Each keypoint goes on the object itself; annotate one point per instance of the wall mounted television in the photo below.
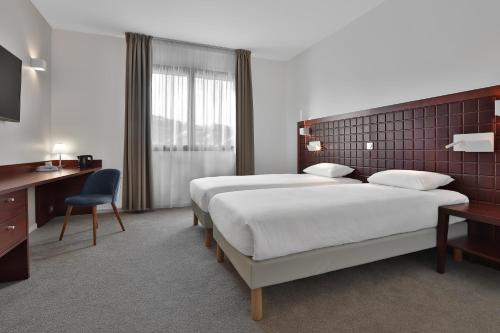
(10, 86)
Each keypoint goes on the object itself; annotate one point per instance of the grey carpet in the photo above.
(158, 277)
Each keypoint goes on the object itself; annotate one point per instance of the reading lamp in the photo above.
(473, 142)
(59, 148)
(314, 146)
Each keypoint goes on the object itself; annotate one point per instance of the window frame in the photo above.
(191, 74)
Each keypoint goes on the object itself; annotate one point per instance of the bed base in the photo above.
(204, 219)
(259, 274)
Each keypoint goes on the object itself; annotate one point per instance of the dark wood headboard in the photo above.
(412, 136)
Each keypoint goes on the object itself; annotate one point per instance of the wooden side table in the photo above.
(477, 212)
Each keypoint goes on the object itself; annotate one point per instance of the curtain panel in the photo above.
(245, 160)
(193, 122)
(137, 190)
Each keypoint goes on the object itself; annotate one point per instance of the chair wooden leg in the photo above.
(195, 219)
(117, 216)
(94, 223)
(66, 219)
(208, 237)
(219, 253)
(256, 303)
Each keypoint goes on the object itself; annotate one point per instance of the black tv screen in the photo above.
(10, 86)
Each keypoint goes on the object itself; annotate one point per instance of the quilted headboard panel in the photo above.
(412, 136)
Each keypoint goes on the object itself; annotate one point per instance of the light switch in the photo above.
(369, 145)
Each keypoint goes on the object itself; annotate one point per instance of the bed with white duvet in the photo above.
(271, 223)
(202, 190)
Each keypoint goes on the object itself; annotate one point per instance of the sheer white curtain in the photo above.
(193, 118)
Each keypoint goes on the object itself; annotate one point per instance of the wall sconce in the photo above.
(305, 131)
(314, 146)
(38, 64)
(473, 143)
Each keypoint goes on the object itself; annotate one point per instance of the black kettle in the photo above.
(84, 161)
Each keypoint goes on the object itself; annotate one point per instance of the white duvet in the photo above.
(272, 223)
(203, 189)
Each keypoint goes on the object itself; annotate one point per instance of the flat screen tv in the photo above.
(10, 86)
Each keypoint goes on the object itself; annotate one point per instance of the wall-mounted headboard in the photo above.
(412, 136)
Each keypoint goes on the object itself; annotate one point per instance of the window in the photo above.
(192, 111)
(193, 118)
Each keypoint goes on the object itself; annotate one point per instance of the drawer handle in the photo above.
(10, 199)
(11, 227)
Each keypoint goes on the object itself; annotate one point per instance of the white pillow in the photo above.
(412, 179)
(331, 170)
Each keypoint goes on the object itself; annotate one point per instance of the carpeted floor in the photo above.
(158, 277)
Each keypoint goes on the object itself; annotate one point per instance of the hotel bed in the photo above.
(202, 190)
(277, 235)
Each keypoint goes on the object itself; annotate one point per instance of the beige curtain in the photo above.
(137, 151)
(245, 164)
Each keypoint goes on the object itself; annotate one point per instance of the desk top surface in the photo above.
(18, 181)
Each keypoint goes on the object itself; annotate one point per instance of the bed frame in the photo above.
(409, 135)
(206, 222)
(259, 274)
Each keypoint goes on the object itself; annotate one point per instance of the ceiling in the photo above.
(274, 29)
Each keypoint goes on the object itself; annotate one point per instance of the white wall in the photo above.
(25, 33)
(403, 50)
(268, 78)
(88, 95)
(88, 100)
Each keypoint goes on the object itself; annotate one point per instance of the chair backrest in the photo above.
(104, 181)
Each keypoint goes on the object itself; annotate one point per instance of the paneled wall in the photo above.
(413, 136)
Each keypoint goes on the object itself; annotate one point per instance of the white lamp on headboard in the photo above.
(59, 148)
(473, 142)
(314, 146)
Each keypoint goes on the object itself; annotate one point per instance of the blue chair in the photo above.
(100, 188)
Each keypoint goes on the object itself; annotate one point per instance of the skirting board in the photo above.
(269, 272)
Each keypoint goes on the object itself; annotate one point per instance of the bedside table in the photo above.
(477, 212)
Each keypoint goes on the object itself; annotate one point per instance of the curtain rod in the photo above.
(194, 44)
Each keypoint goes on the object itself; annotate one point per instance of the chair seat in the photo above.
(89, 200)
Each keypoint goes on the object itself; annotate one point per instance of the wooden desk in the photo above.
(51, 188)
(14, 182)
(484, 248)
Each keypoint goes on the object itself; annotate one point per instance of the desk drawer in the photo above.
(13, 231)
(12, 204)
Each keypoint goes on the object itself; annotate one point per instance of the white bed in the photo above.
(202, 190)
(277, 235)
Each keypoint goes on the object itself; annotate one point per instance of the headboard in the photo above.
(412, 136)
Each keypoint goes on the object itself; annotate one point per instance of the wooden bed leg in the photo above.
(256, 302)
(195, 219)
(458, 255)
(219, 253)
(208, 237)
